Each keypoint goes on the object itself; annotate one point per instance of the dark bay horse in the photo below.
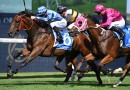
(107, 47)
(40, 43)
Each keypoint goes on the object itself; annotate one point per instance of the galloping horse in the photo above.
(40, 43)
(107, 46)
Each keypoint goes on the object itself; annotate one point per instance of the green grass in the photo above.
(54, 81)
(88, 6)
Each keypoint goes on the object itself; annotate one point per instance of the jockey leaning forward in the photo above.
(55, 20)
(69, 14)
(112, 19)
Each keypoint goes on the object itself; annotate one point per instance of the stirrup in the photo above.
(121, 42)
(60, 40)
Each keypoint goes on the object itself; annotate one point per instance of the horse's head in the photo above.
(83, 23)
(21, 21)
(79, 25)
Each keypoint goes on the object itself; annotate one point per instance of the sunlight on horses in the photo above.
(40, 43)
(107, 47)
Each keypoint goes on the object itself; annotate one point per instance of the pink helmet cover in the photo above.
(99, 8)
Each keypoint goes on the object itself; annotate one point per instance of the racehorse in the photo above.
(107, 45)
(40, 43)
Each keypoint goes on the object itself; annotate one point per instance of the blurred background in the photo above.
(9, 8)
(83, 6)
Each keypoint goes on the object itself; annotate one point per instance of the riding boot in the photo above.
(118, 30)
(59, 37)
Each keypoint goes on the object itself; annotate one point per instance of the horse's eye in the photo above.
(80, 22)
(16, 21)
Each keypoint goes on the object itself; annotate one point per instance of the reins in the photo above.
(22, 19)
(102, 31)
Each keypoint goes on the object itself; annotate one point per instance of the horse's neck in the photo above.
(95, 34)
(101, 41)
(35, 29)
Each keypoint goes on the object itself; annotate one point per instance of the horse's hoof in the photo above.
(79, 78)
(9, 76)
(14, 72)
(100, 83)
(65, 71)
(65, 83)
(114, 86)
(117, 84)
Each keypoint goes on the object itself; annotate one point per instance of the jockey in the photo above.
(111, 19)
(69, 14)
(55, 20)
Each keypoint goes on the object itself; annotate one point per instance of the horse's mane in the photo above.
(26, 12)
(94, 19)
(29, 13)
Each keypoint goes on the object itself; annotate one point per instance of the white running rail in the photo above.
(12, 40)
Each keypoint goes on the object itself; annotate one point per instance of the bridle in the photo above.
(94, 27)
(22, 19)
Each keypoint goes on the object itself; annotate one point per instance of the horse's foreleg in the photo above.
(69, 72)
(126, 70)
(24, 52)
(80, 63)
(75, 67)
(107, 59)
(35, 52)
(57, 62)
(87, 69)
(17, 69)
(72, 58)
(80, 76)
(9, 66)
(95, 69)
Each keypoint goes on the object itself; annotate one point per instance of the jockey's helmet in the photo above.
(99, 8)
(41, 11)
(61, 9)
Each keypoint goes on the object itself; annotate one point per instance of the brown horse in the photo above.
(40, 43)
(107, 47)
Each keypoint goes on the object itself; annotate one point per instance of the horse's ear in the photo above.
(82, 14)
(87, 15)
(23, 16)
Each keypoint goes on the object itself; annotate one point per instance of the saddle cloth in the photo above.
(67, 40)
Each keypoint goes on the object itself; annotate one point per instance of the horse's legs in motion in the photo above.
(9, 66)
(74, 67)
(24, 52)
(81, 74)
(90, 60)
(57, 62)
(126, 70)
(107, 59)
(88, 57)
(71, 59)
(95, 69)
(69, 71)
(36, 51)
(87, 69)
(104, 61)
